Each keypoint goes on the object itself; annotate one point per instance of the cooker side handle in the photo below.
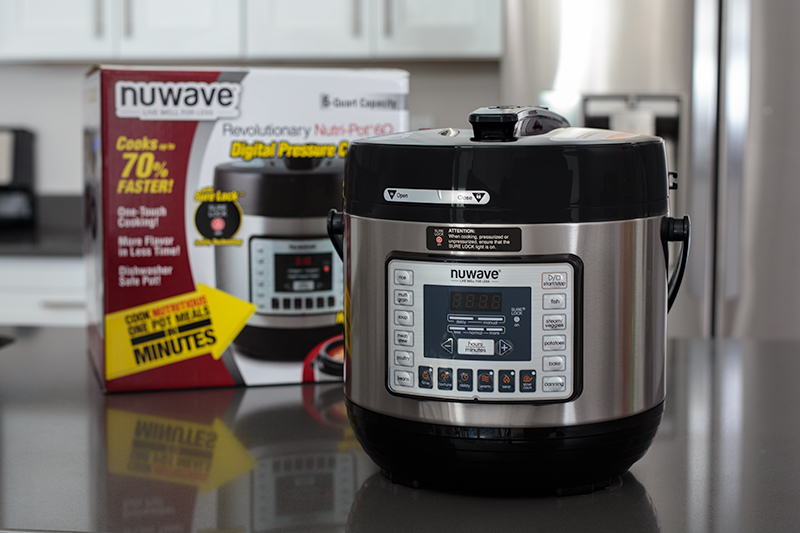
(336, 231)
(676, 230)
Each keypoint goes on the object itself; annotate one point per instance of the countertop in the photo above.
(57, 231)
(726, 457)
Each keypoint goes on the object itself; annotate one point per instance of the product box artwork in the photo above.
(206, 194)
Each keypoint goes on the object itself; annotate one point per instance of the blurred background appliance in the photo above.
(628, 65)
(714, 78)
(16, 178)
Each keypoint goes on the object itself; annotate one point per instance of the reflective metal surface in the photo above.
(624, 323)
(559, 51)
(231, 278)
(274, 459)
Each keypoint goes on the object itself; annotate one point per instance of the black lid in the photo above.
(520, 165)
(283, 188)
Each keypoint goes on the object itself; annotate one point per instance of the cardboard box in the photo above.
(206, 196)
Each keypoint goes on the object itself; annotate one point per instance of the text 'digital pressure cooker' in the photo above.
(506, 292)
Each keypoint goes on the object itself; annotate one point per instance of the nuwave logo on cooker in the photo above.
(170, 100)
(459, 273)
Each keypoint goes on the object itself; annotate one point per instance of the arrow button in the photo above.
(448, 345)
(503, 347)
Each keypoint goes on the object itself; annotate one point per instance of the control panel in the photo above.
(295, 276)
(482, 331)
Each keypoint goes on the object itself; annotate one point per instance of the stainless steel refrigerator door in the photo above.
(758, 290)
(566, 49)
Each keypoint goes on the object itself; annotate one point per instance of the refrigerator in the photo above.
(717, 79)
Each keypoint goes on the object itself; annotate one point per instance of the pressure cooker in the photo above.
(506, 293)
(286, 265)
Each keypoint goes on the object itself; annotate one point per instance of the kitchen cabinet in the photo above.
(42, 291)
(101, 30)
(55, 29)
(308, 29)
(180, 28)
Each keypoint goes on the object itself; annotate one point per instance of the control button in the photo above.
(475, 330)
(554, 384)
(404, 297)
(505, 381)
(552, 363)
(448, 345)
(309, 303)
(403, 358)
(554, 343)
(527, 380)
(475, 347)
(495, 330)
(303, 285)
(403, 277)
(320, 302)
(403, 378)
(460, 318)
(551, 322)
(554, 280)
(331, 301)
(554, 301)
(504, 346)
(404, 318)
(485, 380)
(404, 338)
(426, 377)
(298, 303)
(464, 379)
(456, 329)
(276, 304)
(445, 379)
(287, 303)
(492, 319)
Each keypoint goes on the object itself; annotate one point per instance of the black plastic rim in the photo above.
(274, 344)
(555, 460)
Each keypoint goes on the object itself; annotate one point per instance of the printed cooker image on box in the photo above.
(506, 300)
(286, 266)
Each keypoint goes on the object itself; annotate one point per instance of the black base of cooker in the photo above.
(558, 460)
(272, 344)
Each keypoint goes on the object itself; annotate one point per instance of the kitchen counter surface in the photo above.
(58, 230)
(726, 457)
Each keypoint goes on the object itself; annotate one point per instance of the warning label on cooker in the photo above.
(476, 239)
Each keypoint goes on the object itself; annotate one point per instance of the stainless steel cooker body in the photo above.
(622, 312)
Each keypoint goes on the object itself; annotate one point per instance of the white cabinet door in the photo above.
(179, 29)
(56, 29)
(439, 28)
(308, 28)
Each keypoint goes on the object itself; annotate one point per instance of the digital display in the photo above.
(303, 272)
(476, 301)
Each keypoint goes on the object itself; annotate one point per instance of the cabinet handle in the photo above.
(387, 17)
(128, 9)
(98, 19)
(356, 18)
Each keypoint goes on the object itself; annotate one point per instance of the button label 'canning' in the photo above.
(554, 384)
(554, 280)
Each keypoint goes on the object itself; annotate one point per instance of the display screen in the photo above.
(303, 272)
(476, 301)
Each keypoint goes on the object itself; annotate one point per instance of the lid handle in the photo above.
(505, 123)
